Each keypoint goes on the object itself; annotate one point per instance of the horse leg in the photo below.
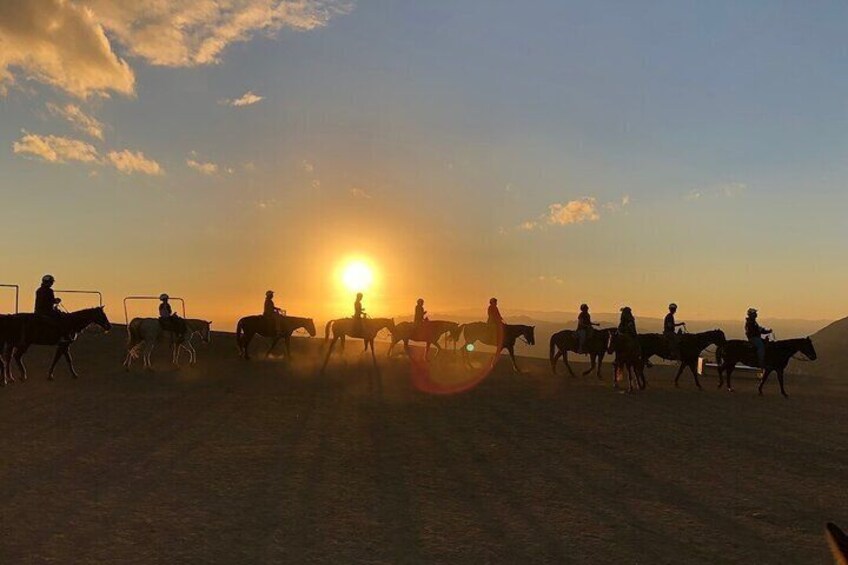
(329, 351)
(148, 353)
(373, 355)
(56, 357)
(730, 372)
(438, 350)
(511, 350)
(70, 361)
(273, 345)
(693, 366)
(567, 364)
(591, 366)
(600, 362)
(763, 380)
(677, 376)
(287, 341)
(19, 361)
(780, 380)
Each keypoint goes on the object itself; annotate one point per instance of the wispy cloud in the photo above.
(55, 149)
(618, 205)
(720, 190)
(207, 168)
(78, 119)
(565, 213)
(359, 193)
(129, 162)
(247, 99)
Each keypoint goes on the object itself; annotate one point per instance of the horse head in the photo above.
(807, 349)
(717, 337)
(455, 331)
(529, 333)
(101, 319)
(310, 327)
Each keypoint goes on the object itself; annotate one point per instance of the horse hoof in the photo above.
(75, 375)
(50, 378)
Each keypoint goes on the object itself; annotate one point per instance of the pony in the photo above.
(428, 332)
(778, 354)
(365, 329)
(20, 331)
(689, 348)
(144, 333)
(503, 337)
(566, 340)
(249, 326)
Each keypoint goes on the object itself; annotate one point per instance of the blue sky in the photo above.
(703, 144)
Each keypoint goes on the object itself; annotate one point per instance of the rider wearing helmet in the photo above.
(273, 315)
(585, 326)
(358, 314)
(493, 314)
(670, 331)
(46, 303)
(754, 332)
(170, 321)
(420, 313)
(627, 323)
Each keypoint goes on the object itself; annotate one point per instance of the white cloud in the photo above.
(68, 44)
(246, 99)
(77, 118)
(55, 149)
(129, 162)
(359, 193)
(183, 33)
(202, 167)
(563, 214)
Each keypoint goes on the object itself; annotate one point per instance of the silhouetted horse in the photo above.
(596, 348)
(144, 333)
(483, 332)
(838, 542)
(365, 329)
(690, 347)
(429, 332)
(628, 355)
(24, 330)
(778, 354)
(249, 326)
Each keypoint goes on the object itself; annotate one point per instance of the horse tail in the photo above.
(327, 331)
(552, 351)
(719, 354)
(240, 335)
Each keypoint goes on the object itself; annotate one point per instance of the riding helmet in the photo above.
(493, 300)
(269, 293)
(752, 311)
(163, 296)
(672, 306)
(47, 279)
(420, 301)
(584, 307)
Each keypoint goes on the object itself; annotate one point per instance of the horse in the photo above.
(504, 338)
(628, 354)
(21, 331)
(249, 326)
(428, 332)
(838, 542)
(144, 333)
(566, 340)
(778, 354)
(689, 348)
(365, 329)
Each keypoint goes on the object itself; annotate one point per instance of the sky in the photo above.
(546, 152)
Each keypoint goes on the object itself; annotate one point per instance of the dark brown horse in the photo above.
(628, 355)
(778, 354)
(596, 348)
(21, 331)
(503, 339)
(689, 348)
(249, 326)
(429, 332)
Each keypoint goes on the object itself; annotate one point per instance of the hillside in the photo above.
(831, 345)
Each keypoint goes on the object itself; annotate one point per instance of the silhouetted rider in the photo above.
(585, 327)
(273, 315)
(670, 330)
(493, 315)
(170, 321)
(755, 332)
(627, 323)
(420, 312)
(46, 303)
(358, 314)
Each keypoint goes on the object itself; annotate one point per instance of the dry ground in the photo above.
(235, 462)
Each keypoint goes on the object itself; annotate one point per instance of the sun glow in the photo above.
(357, 276)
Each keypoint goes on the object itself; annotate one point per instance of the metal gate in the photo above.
(96, 293)
(17, 294)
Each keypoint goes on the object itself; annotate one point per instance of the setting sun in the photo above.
(357, 276)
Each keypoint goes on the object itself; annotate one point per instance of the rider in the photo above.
(273, 315)
(420, 313)
(584, 327)
(47, 304)
(627, 323)
(670, 330)
(170, 321)
(494, 319)
(754, 332)
(358, 313)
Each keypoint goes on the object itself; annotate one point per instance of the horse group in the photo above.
(18, 332)
(633, 354)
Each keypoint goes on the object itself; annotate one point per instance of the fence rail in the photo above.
(17, 294)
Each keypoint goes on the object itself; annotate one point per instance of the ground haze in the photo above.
(262, 461)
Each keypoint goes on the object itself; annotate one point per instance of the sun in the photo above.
(357, 276)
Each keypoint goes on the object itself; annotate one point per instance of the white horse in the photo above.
(145, 333)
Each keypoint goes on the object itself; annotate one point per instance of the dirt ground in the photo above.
(266, 461)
